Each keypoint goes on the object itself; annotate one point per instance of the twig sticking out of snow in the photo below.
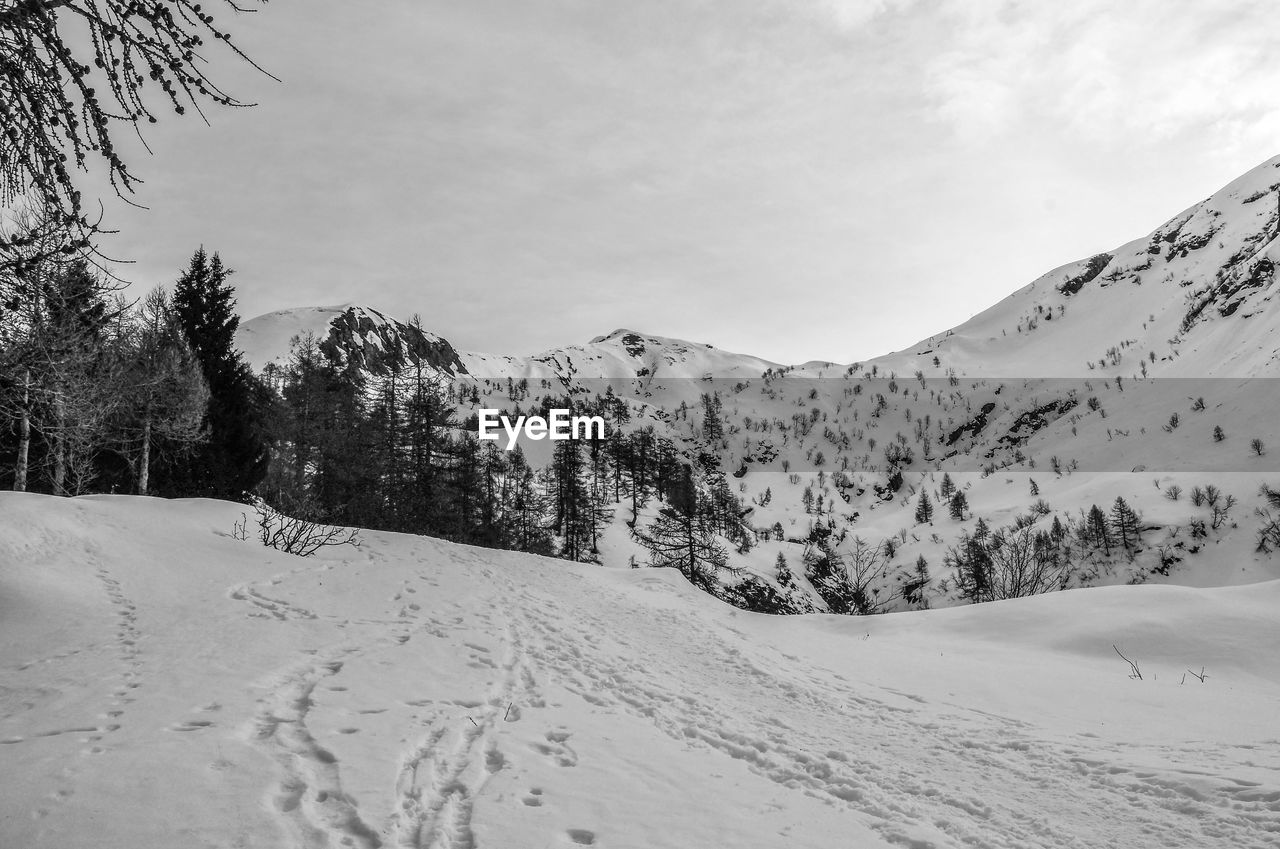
(1136, 673)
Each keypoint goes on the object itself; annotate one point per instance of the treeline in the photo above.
(98, 394)
(398, 451)
(1024, 559)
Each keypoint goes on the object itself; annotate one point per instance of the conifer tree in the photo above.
(1124, 523)
(681, 538)
(1097, 528)
(712, 429)
(924, 509)
(234, 460)
(575, 518)
(947, 488)
(526, 528)
(959, 504)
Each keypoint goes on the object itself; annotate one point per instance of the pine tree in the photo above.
(526, 508)
(235, 458)
(924, 509)
(575, 519)
(959, 505)
(783, 571)
(681, 538)
(1057, 533)
(1097, 528)
(712, 429)
(948, 487)
(913, 591)
(1124, 523)
(972, 563)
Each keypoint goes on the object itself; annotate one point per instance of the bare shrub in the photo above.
(292, 535)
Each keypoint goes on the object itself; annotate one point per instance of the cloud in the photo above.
(853, 14)
(1107, 73)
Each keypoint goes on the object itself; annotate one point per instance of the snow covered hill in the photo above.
(163, 683)
(1140, 373)
(1194, 298)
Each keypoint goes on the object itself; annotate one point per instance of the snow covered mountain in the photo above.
(1141, 374)
(165, 684)
(1192, 298)
(379, 342)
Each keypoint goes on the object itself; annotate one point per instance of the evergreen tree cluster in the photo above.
(1027, 558)
(399, 451)
(97, 394)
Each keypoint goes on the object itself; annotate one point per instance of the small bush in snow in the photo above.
(291, 535)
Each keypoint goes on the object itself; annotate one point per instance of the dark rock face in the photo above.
(633, 344)
(1092, 270)
(379, 344)
(974, 426)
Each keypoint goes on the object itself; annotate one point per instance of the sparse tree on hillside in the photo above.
(947, 487)
(1124, 523)
(681, 538)
(1098, 529)
(924, 509)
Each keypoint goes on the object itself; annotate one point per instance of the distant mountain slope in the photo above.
(376, 340)
(1193, 298)
(1197, 293)
(1140, 373)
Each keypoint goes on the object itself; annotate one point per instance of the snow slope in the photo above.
(1194, 298)
(266, 339)
(1107, 377)
(1197, 292)
(165, 684)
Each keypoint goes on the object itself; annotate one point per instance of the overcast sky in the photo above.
(813, 179)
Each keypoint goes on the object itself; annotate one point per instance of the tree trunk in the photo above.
(144, 461)
(60, 448)
(24, 436)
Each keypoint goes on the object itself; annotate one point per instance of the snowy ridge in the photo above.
(1170, 343)
(1213, 263)
(1196, 292)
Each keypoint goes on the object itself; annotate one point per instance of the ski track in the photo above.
(310, 797)
(440, 779)
(921, 775)
(1003, 787)
(437, 778)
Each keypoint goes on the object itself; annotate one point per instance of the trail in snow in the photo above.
(419, 695)
(919, 774)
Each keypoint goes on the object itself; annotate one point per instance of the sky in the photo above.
(812, 179)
